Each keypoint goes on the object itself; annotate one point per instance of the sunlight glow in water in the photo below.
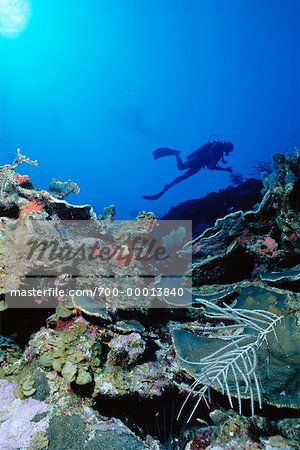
(14, 17)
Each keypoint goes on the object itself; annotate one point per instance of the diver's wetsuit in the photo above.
(208, 155)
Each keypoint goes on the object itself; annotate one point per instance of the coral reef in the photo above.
(19, 197)
(126, 350)
(109, 213)
(61, 422)
(18, 427)
(252, 351)
(232, 431)
(236, 344)
(241, 244)
(61, 189)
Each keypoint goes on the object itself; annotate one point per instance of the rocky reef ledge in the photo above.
(205, 211)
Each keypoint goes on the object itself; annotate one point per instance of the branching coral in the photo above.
(236, 178)
(262, 167)
(20, 159)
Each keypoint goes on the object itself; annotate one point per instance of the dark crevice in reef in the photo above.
(220, 401)
(150, 352)
(85, 390)
(66, 212)
(235, 267)
(159, 418)
(151, 318)
(12, 212)
(26, 320)
(293, 286)
(156, 417)
(154, 316)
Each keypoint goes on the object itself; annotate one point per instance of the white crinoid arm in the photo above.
(236, 360)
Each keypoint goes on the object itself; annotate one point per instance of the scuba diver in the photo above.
(207, 156)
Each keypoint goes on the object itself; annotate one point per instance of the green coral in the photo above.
(144, 216)
(3, 305)
(39, 442)
(73, 353)
(115, 441)
(109, 213)
(41, 385)
(66, 433)
(69, 371)
(27, 386)
(62, 312)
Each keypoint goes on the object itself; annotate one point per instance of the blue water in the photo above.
(91, 87)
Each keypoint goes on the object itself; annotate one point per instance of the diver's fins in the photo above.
(164, 151)
(156, 196)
